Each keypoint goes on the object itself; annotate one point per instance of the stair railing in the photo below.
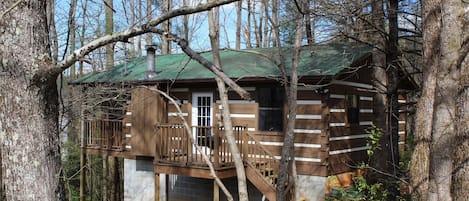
(261, 159)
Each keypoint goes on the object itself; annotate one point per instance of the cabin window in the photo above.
(271, 108)
(352, 109)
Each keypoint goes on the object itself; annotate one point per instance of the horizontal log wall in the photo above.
(311, 137)
(347, 141)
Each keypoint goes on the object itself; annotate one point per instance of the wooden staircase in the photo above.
(261, 168)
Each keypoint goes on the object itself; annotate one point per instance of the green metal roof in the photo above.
(316, 60)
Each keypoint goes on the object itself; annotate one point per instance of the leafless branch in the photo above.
(206, 63)
(134, 31)
(10, 8)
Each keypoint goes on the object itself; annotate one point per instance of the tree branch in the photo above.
(206, 63)
(135, 31)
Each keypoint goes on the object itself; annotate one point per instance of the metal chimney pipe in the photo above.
(150, 72)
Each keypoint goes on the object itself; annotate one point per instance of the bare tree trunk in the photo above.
(53, 31)
(139, 38)
(132, 23)
(447, 85)
(186, 22)
(238, 24)
(247, 30)
(165, 42)
(257, 29)
(392, 132)
(109, 29)
(460, 189)
(29, 106)
(240, 172)
(275, 24)
(265, 37)
(83, 31)
(109, 161)
(288, 150)
(308, 27)
(72, 27)
(260, 27)
(149, 39)
(380, 157)
(420, 163)
(83, 170)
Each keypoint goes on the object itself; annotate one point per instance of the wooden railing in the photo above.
(173, 145)
(104, 134)
(266, 168)
(262, 160)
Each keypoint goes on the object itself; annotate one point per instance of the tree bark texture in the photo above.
(447, 87)
(379, 78)
(420, 163)
(29, 129)
(460, 187)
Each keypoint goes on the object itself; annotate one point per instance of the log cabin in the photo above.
(334, 109)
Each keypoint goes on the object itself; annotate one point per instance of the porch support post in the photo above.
(216, 191)
(216, 143)
(157, 187)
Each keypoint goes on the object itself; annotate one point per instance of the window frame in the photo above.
(273, 108)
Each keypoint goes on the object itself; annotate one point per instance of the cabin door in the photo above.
(202, 119)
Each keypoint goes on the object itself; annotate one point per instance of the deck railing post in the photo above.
(216, 133)
(245, 144)
(189, 146)
(158, 133)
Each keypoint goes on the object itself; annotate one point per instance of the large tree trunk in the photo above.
(460, 188)
(380, 157)
(392, 132)
(420, 163)
(29, 129)
(447, 87)
(109, 166)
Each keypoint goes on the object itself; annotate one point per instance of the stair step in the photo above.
(267, 171)
(260, 164)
